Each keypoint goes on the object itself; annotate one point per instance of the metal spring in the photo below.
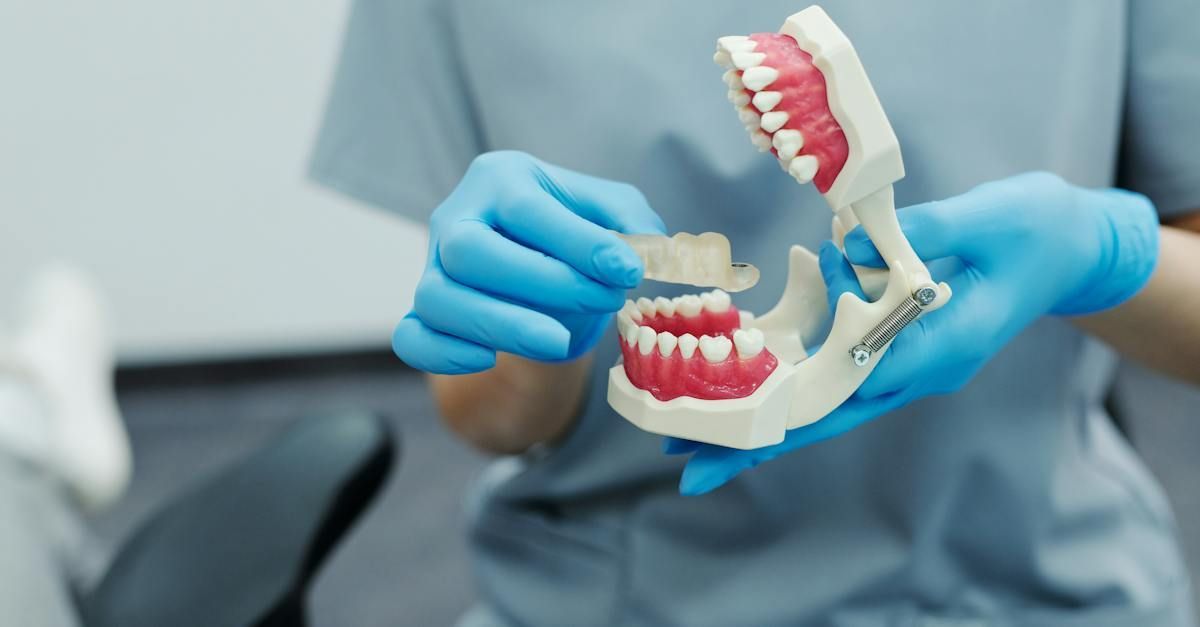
(904, 313)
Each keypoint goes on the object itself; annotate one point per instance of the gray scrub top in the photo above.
(1012, 502)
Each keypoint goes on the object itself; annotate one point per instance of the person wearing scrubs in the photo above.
(975, 479)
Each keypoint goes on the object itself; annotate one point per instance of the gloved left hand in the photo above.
(1013, 250)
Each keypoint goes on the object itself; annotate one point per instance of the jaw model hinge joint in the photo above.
(904, 313)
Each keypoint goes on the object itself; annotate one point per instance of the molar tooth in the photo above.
(787, 142)
(632, 311)
(749, 342)
(774, 120)
(716, 301)
(666, 343)
(646, 306)
(664, 306)
(646, 339)
(803, 168)
(728, 40)
(747, 60)
(749, 117)
(722, 59)
(732, 79)
(687, 345)
(766, 100)
(715, 349)
(690, 305)
(631, 334)
(758, 78)
(761, 140)
(738, 97)
(745, 318)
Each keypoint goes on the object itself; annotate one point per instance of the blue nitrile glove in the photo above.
(521, 261)
(1012, 251)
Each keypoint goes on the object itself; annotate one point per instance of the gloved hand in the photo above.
(1012, 251)
(521, 261)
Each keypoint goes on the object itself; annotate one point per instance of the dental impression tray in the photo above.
(695, 367)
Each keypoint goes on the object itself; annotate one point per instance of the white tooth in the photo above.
(761, 140)
(722, 59)
(803, 168)
(738, 97)
(745, 318)
(646, 306)
(766, 100)
(631, 334)
(787, 143)
(690, 305)
(646, 340)
(716, 301)
(687, 345)
(664, 306)
(758, 78)
(722, 299)
(631, 309)
(734, 43)
(623, 322)
(732, 79)
(666, 343)
(747, 60)
(774, 120)
(749, 117)
(749, 342)
(715, 349)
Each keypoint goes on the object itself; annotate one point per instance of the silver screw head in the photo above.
(926, 295)
(861, 355)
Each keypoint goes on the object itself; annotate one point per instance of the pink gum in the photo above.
(671, 377)
(807, 104)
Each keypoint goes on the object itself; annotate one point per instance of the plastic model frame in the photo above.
(802, 388)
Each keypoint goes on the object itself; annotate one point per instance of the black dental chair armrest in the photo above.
(240, 549)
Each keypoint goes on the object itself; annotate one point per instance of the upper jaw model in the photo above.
(695, 367)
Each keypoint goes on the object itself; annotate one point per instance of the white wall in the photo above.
(162, 145)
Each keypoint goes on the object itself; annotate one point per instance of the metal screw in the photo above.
(861, 355)
(925, 295)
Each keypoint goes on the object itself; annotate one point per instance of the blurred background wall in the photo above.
(163, 145)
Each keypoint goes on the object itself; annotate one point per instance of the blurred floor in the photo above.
(406, 562)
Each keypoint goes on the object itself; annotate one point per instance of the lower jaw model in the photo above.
(695, 367)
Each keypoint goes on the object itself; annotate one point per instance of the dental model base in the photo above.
(695, 367)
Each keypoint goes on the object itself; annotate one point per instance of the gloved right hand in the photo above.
(521, 260)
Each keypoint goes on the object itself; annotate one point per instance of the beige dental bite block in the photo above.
(848, 150)
(703, 260)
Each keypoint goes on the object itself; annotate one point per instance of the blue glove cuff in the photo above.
(1129, 252)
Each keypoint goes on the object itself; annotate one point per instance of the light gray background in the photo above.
(163, 145)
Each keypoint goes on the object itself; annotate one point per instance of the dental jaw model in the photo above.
(695, 367)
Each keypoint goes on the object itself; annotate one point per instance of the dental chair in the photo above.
(242, 548)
